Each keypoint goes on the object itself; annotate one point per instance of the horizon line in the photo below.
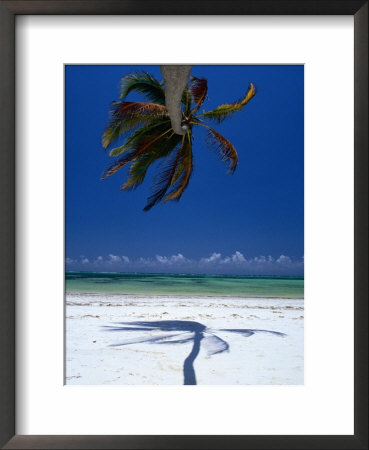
(184, 274)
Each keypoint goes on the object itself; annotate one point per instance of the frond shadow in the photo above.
(183, 332)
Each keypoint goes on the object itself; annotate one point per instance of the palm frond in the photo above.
(121, 110)
(183, 172)
(138, 170)
(224, 148)
(153, 128)
(198, 89)
(186, 101)
(115, 129)
(224, 111)
(128, 115)
(140, 166)
(145, 84)
(136, 149)
(164, 179)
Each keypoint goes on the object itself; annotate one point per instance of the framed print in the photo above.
(184, 224)
(176, 311)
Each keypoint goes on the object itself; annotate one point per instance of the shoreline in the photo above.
(180, 296)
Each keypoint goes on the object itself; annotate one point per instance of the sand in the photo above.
(203, 340)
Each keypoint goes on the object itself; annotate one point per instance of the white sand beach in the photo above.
(163, 340)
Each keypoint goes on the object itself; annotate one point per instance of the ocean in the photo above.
(184, 285)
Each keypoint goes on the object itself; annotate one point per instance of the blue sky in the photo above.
(251, 222)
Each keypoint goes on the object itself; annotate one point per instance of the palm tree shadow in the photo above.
(181, 332)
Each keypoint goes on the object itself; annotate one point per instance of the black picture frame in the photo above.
(8, 12)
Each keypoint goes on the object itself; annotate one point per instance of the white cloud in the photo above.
(114, 258)
(260, 259)
(174, 259)
(235, 263)
(162, 259)
(178, 258)
(238, 257)
(215, 257)
(284, 260)
(144, 261)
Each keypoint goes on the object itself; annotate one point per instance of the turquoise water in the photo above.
(168, 284)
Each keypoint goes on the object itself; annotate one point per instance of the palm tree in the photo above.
(181, 332)
(149, 136)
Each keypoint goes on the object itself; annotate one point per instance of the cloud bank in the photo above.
(215, 263)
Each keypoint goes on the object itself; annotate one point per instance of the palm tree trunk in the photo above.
(175, 80)
(188, 369)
